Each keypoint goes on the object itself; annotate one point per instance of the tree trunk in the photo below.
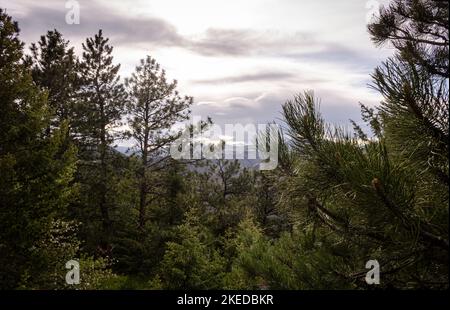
(103, 178)
(143, 186)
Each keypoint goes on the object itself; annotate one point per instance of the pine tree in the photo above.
(36, 170)
(191, 262)
(55, 69)
(418, 30)
(154, 107)
(383, 196)
(139, 250)
(414, 83)
(225, 189)
(98, 116)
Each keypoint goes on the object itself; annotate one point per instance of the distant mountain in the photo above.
(122, 149)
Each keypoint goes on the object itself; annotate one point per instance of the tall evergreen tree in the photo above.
(55, 69)
(98, 116)
(154, 107)
(384, 197)
(36, 172)
(190, 262)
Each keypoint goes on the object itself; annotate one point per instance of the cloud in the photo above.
(247, 42)
(122, 29)
(256, 108)
(205, 102)
(267, 107)
(302, 47)
(153, 32)
(256, 77)
(268, 66)
(223, 42)
(336, 53)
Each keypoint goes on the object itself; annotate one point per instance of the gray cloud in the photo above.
(224, 42)
(267, 107)
(35, 18)
(337, 53)
(39, 17)
(243, 109)
(121, 29)
(304, 46)
(247, 42)
(255, 77)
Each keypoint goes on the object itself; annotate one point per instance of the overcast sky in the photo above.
(239, 59)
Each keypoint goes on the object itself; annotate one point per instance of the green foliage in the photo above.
(383, 197)
(418, 30)
(369, 196)
(190, 262)
(293, 261)
(36, 170)
(154, 107)
(139, 249)
(54, 68)
(98, 114)
(50, 254)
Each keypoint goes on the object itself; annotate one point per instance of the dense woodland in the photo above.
(142, 220)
